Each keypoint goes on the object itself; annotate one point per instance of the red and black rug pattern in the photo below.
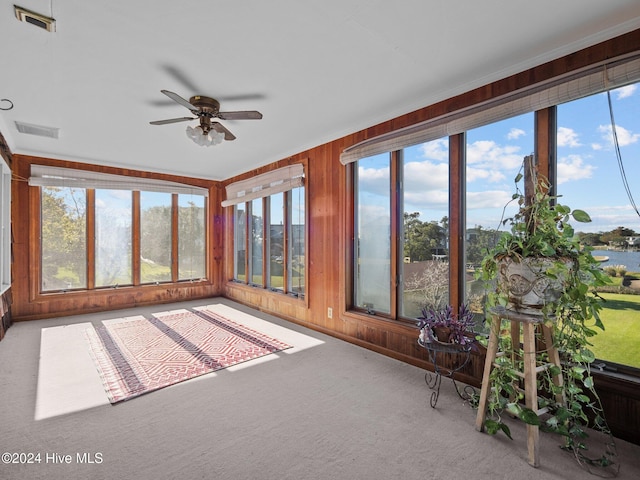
(138, 356)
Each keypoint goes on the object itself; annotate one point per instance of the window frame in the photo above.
(36, 285)
(266, 243)
(5, 219)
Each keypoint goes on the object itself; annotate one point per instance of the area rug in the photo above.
(138, 356)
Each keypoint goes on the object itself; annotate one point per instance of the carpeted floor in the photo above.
(323, 409)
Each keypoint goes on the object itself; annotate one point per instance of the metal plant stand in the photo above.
(437, 351)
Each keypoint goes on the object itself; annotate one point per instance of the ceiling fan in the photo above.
(205, 108)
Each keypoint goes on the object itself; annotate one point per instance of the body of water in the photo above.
(630, 259)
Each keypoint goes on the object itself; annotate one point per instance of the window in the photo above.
(401, 247)
(155, 237)
(113, 237)
(5, 220)
(95, 228)
(256, 237)
(64, 238)
(191, 237)
(240, 242)
(591, 177)
(296, 215)
(494, 155)
(282, 242)
(373, 234)
(276, 241)
(424, 265)
(269, 233)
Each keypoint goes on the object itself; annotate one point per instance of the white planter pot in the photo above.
(528, 285)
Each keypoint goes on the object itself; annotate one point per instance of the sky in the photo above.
(588, 170)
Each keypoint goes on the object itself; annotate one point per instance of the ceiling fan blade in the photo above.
(178, 99)
(243, 115)
(182, 78)
(218, 127)
(172, 120)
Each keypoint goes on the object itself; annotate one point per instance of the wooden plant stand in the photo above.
(528, 324)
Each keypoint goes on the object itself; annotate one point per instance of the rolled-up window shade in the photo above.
(589, 81)
(266, 184)
(45, 176)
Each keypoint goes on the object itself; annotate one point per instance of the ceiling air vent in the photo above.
(39, 130)
(24, 15)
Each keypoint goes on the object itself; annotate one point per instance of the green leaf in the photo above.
(506, 430)
(588, 382)
(581, 216)
(529, 416)
(491, 426)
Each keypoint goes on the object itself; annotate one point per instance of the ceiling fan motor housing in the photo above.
(208, 106)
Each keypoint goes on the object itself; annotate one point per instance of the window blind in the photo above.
(589, 81)
(45, 176)
(275, 181)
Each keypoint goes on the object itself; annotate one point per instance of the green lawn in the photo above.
(620, 341)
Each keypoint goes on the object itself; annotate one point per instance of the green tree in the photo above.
(63, 233)
(423, 239)
(479, 242)
(191, 244)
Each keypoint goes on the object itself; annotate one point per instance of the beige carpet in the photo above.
(323, 409)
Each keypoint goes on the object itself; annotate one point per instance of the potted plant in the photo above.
(563, 273)
(445, 326)
(449, 339)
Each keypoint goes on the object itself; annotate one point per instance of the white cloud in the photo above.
(374, 180)
(491, 176)
(596, 146)
(488, 199)
(567, 137)
(625, 137)
(515, 133)
(605, 218)
(489, 155)
(436, 150)
(625, 92)
(426, 185)
(573, 168)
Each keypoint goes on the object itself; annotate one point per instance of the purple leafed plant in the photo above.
(461, 325)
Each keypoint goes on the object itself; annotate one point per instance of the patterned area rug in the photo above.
(142, 355)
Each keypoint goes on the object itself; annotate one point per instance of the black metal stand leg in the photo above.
(433, 381)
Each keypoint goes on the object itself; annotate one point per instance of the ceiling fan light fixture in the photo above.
(198, 136)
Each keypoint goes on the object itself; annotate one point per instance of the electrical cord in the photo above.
(619, 156)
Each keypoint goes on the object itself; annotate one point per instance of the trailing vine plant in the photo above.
(541, 228)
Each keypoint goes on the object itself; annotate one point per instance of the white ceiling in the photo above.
(316, 69)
